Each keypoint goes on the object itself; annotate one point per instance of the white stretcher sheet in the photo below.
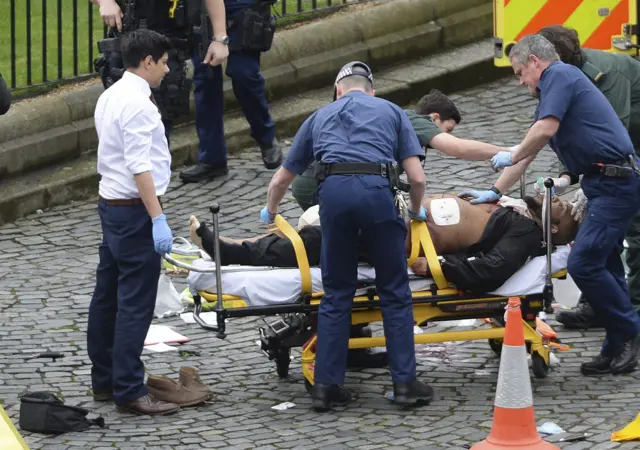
(260, 286)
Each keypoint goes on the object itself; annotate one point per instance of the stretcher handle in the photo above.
(215, 209)
(548, 285)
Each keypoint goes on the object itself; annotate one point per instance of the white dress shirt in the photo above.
(131, 139)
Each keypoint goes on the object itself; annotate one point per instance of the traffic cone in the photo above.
(514, 421)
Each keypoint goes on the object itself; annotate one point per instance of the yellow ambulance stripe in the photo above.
(585, 18)
(518, 13)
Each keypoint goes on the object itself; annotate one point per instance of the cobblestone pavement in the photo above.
(47, 269)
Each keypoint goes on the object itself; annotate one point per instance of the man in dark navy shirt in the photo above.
(582, 128)
(355, 139)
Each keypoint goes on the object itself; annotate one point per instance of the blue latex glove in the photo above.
(421, 216)
(500, 160)
(480, 196)
(266, 216)
(162, 236)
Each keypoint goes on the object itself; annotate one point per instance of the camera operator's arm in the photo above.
(217, 51)
(5, 97)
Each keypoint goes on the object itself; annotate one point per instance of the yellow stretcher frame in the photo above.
(10, 438)
(441, 303)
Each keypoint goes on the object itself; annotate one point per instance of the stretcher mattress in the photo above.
(261, 286)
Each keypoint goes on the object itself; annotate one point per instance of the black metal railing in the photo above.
(53, 42)
(48, 42)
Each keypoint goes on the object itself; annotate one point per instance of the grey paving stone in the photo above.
(44, 302)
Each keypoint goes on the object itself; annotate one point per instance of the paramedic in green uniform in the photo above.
(434, 118)
(617, 76)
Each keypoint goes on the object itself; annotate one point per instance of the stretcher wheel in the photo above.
(496, 346)
(539, 366)
(283, 361)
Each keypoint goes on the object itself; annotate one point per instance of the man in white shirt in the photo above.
(135, 167)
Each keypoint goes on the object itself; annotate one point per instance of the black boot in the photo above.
(325, 396)
(600, 365)
(201, 172)
(271, 154)
(412, 393)
(581, 318)
(627, 359)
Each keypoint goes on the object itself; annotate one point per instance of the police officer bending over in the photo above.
(174, 19)
(582, 128)
(355, 139)
(617, 76)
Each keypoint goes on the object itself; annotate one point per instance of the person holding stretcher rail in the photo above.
(582, 128)
(355, 140)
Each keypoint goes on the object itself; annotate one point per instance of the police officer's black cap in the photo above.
(350, 69)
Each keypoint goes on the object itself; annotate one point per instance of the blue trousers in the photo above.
(349, 204)
(249, 88)
(595, 262)
(123, 301)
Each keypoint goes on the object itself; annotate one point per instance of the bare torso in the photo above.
(457, 238)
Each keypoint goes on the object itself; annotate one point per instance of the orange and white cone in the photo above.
(514, 421)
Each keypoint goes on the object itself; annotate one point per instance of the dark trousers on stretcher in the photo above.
(122, 306)
(595, 262)
(349, 203)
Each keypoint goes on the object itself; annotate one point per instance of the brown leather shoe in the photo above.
(187, 392)
(149, 405)
(189, 378)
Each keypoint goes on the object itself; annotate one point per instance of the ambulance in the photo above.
(610, 25)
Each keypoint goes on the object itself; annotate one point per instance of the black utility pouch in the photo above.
(256, 28)
(43, 412)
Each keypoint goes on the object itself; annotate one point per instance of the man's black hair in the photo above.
(436, 102)
(137, 45)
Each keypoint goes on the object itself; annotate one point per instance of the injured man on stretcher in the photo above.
(481, 245)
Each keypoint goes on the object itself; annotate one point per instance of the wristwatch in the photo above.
(224, 40)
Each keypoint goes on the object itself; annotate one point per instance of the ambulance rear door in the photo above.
(609, 25)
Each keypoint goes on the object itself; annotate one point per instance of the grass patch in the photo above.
(63, 46)
(58, 45)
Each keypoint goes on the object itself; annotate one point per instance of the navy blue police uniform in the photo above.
(243, 67)
(171, 20)
(590, 137)
(343, 137)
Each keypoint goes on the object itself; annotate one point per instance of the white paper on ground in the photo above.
(283, 406)
(162, 334)
(159, 348)
(209, 317)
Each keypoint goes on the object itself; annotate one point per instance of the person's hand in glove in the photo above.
(500, 160)
(559, 185)
(487, 196)
(421, 215)
(579, 206)
(162, 236)
(266, 216)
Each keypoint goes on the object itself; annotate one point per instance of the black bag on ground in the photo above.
(43, 412)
